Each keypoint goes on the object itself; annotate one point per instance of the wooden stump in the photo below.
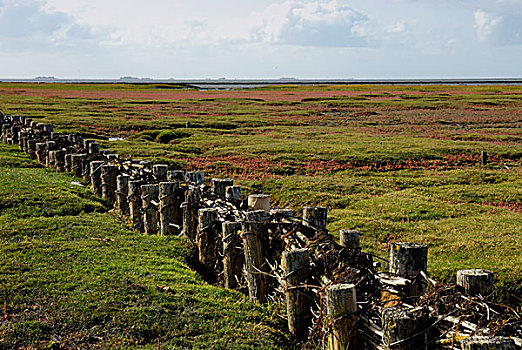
(160, 172)
(190, 213)
(149, 197)
(350, 239)
(77, 161)
(195, 177)
(259, 202)
(96, 176)
(488, 343)
(233, 193)
(109, 174)
(296, 266)
(341, 303)
(122, 192)
(252, 234)
(219, 186)
(175, 175)
(408, 259)
(167, 208)
(134, 200)
(475, 281)
(208, 237)
(315, 217)
(404, 329)
(232, 259)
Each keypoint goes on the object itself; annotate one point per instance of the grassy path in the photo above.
(73, 276)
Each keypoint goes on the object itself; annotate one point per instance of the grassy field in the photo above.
(73, 276)
(398, 163)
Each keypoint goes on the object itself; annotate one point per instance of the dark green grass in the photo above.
(73, 276)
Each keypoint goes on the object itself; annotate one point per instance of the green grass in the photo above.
(73, 276)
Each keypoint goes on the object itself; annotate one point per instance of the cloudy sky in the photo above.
(261, 38)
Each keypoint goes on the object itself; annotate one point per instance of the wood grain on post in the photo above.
(149, 197)
(408, 259)
(167, 207)
(233, 193)
(109, 174)
(232, 259)
(350, 239)
(195, 177)
(315, 217)
(259, 202)
(341, 303)
(252, 235)
(77, 162)
(488, 343)
(68, 162)
(122, 192)
(160, 171)
(475, 281)
(219, 186)
(190, 213)
(405, 329)
(134, 200)
(95, 172)
(296, 266)
(208, 236)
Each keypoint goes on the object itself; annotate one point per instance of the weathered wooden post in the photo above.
(94, 148)
(408, 260)
(233, 193)
(475, 281)
(149, 196)
(77, 161)
(122, 192)
(405, 329)
(68, 162)
(51, 147)
(195, 177)
(219, 186)
(160, 172)
(134, 199)
(109, 174)
(232, 261)
(60, 160)
(167, 210)
(315, 217)
(175, 175)
(190, 213)
(31, 146)
(341, 303)
(95, 172)
(51, 159)
(259, 202)
(488, 343)
(208, 236)
(40, 152)
(484, 158)
(256, 215)
(296, 266)
(350, 239)
(252, 234)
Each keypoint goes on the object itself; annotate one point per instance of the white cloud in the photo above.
(499, 29)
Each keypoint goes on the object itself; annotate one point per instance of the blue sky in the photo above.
(261, 38)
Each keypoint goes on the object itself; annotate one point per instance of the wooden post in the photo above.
(475, 281)
(77, 161)
(484, 158)
(488, 343)
(404, 329)
(233, 193)
(190, 213)
(160, 172)
(109, 174)
(350, 239)
(232, 261)
(31, 146)
(68, 162)
(122, 192)
(51, 159)
(219, 186)
(195, 177)
(341, 303)
(256, 215)
(175, 175)
(259, 202)
(60, 160)
(96, 176)
(94, 148)
(252, 234)
(207, 239)
(167, 203)
(134, 199)
(282, 215)
(149, 196)
(296, 266)
(315, 217)
(408, 259)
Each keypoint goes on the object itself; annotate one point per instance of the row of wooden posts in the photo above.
(231, 235)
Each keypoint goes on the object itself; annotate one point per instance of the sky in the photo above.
(236, 39)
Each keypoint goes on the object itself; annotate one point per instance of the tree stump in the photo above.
(350, 239)
(259, 202)
(296, 266)
(195, 177)
(149, 197)
(167, 207)
(175, 175)
(96, 176)
(109, 174)
(190, 213)
(405, 329)
(315, 217)
(232, 258)
(160, 172)
(134, 200)
(488, 343)
(233, 193)
(252, 234)
(122, 192)
(341, 303)
(219, 186)
(475, 281)
(208, 238)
